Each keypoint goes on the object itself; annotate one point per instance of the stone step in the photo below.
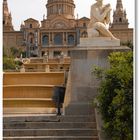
(28, 91)
(28, 110)
(86, 108)
(48, 125)
(40, 78)
(53, 138)
(47, 118)
(34, 67)
(28, 102)
(49, 132)
(36, 60)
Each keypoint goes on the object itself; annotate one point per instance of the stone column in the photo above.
(62, 8)
(52, 38)
(66, 9)
(50, 54)
(66, 37)
(49, 38)
(55, 9)
(47, 68)
(65, 53)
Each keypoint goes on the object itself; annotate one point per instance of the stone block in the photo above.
(98, 42)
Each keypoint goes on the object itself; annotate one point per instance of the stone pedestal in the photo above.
(98, 42)
(83, 84)
(47, 68)
(22, 69)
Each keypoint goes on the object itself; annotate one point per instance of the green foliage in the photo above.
(127, 43)
(116, 96)
(15, 52)
(8, 63)
(98, 72)
(11, 64)
(9, 55)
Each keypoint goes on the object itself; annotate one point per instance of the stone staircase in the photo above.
(44, 127)
(30, 114)
(30, 92)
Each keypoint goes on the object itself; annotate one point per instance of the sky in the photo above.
(24, 9)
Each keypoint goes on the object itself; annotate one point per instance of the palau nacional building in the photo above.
(59, 31)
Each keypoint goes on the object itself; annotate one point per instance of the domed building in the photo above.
(58, 32)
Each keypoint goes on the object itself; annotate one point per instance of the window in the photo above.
(30, 25)
(31, 34)
(120, 19)
(43, 52)
(69, 53)
(70, 39)
(57, 53)
(45, 40)
(31, 40)
(3, 22)
(84, 24)
(58, 39)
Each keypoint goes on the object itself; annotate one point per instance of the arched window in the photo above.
(3, 22)
(58, 39)
(45, 40)
(30, 25)
(120, 19)
(31, 40)
(70, 39)
(84, 25)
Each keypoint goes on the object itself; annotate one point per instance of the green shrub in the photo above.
(116, 96)
(8, 63)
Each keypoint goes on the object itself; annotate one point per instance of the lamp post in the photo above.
(27, 44)
(28, 49)
(36, 42)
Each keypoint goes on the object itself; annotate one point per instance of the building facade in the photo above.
(119, 26)
(59, 30)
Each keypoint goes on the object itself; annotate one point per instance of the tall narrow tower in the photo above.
(60, 7)
(120, 20)
(7, 18)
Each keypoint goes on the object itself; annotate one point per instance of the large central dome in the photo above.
(60, 7)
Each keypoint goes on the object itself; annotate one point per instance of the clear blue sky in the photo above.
(23, 9)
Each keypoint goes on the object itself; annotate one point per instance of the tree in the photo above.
(9, 55)
(8, 63)
(127, 43)
(116, 96)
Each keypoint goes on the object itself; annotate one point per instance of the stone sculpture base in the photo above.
(98, 42)
(83, 84)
